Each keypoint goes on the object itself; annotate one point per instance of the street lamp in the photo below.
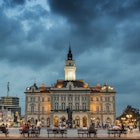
(123, 119)
(92, 119)
(129, 116)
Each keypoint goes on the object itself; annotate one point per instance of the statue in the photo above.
(69, 112)
(15, 118)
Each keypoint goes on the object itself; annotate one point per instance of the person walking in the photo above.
(39, 125)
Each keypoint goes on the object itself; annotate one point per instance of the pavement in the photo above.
(71, 135)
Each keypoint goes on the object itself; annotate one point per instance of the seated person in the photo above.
(25, 129)
(92, 129)
(122, 129)
(116, 127)
(62, 127)
(3, 129)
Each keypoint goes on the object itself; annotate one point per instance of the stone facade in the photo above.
(87, 103)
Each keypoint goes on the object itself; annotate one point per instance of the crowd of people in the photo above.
(123, 127)
(27, 127)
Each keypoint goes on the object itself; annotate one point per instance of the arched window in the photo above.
(56, 123)
(84, 121)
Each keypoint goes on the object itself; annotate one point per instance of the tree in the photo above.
(135, 115)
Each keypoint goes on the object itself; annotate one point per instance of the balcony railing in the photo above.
(37, 112)
(103, 112)
(72, 110)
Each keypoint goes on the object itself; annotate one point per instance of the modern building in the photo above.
(9, 106)
(87, 103)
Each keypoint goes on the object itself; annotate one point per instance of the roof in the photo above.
(76, 83)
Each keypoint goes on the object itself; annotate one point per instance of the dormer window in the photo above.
(32, 89)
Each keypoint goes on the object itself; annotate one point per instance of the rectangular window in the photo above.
(77, 106)
(56, 106)
(97, 99)
(63, 106)
(32, 99)
(43, 109)
(32, 109)
(70, 98)
(70, 105)
(107, 99)
(77, 98)
(61, 98)
(42, 99)
(84, 106)
(107, 108)
(97, 108)
(56, 98)
(84, 98)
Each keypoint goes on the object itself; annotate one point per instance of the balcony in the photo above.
(37, 113)
(73, 108)
(84, 110)
(102, 112)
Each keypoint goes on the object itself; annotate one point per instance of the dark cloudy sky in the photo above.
(104, 37)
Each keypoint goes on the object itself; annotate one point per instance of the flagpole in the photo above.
(8, 89)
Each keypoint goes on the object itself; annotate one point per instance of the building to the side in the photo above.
(87, 103)
(9, 106)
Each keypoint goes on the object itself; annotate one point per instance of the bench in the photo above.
(86, 131)
(22, 133)
(34, 133)
(55, 132)
(82, 131)
(31, 132)
(116, 132)
(5, 131)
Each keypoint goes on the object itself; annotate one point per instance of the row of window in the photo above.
(70, 98)
(77, 107)
(106, 99)
(42, 99)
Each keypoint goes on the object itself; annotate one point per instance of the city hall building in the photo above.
(87, 103)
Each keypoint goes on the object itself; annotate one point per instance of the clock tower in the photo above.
(70, 67)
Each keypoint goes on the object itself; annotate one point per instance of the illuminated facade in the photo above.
(88, 103)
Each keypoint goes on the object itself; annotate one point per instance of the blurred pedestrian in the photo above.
(39, 125)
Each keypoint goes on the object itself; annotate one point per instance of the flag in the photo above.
(8, 88)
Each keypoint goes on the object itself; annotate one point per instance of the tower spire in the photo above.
(69, 53)
(70, 67)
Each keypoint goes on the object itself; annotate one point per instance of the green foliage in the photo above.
(130, 111)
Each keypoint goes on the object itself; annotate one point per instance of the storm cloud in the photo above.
(104, 37)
